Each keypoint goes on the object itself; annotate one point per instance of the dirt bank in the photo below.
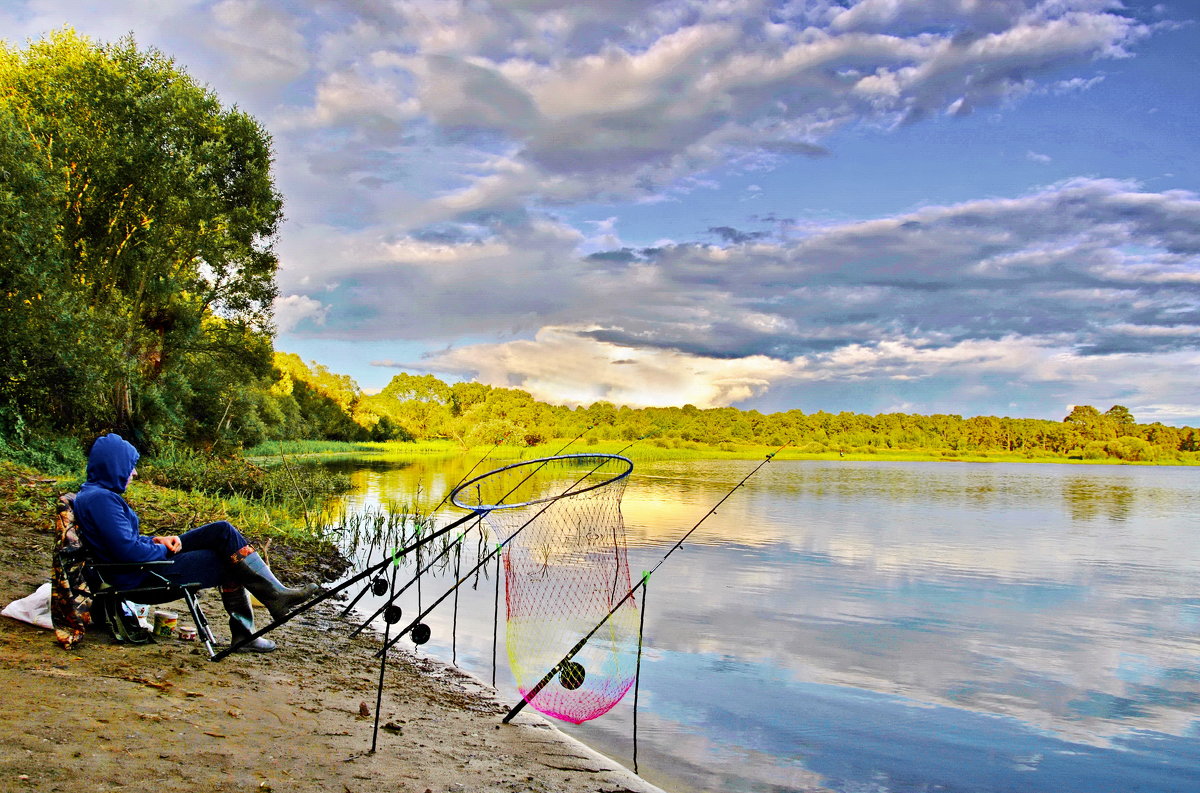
(162, 718)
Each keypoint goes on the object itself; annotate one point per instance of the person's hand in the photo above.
(173, 544)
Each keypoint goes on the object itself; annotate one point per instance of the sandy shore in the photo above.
(162, 718)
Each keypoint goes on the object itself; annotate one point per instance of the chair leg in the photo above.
(202, 629)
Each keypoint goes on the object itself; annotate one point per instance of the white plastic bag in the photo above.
(34, 609)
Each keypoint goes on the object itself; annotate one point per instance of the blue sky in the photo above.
(886, 205)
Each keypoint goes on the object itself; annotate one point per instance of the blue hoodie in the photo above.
(108, 526)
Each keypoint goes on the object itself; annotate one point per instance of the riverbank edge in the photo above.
(163, 718)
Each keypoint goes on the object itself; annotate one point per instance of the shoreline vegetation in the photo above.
(647, 450)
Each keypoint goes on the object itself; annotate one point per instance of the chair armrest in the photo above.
(130, 567)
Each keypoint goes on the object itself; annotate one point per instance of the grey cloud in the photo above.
(732, 235)
(1132, 345)
(970, 19)
(796, 147)
(448, 235)
(462, 95)
(449, 281)
(566, 102)
(725, 341)
(496, 104)
(1027, 288)
(623, 256)
(1047, 265)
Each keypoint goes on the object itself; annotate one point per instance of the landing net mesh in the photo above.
(565, 569)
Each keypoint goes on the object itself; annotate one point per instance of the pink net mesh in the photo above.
(565, 570)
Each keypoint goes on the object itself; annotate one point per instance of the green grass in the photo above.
(654, 450)
(273, 449)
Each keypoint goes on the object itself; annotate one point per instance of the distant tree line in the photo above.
(422, 407)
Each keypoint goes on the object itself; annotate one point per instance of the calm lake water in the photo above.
(889, 627)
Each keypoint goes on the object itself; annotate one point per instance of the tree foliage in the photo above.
(137, 218)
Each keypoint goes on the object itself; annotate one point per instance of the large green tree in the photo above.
(149, 213)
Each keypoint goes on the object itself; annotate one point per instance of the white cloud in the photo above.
(262, 42)
(291, 310)
(348, 98)
(561, 366)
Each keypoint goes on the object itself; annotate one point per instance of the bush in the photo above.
(183, 468)
(286, 484)
(51, 455)
(1134, 450)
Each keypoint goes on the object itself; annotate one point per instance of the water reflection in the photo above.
(895, 627)
(1089, 499)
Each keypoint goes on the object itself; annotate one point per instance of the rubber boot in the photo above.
(252, 573)
(241, 622)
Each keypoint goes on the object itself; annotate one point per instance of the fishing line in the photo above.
(362, 626)
(462, 479)
(335, 590)
(484, 560)
(501, 545)
(533, 692)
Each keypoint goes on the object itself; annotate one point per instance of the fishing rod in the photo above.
(489, 556)
(417, 577)
(366, 572)
(328, 593)
(566, 659)
(462, 479)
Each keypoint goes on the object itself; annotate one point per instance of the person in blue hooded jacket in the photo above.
(215, 554)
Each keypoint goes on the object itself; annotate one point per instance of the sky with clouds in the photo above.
(927, 206)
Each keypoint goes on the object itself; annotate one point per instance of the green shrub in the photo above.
(52, 455)
(287, 483)
(1133, 450)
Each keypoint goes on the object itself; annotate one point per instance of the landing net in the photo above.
(565, 569)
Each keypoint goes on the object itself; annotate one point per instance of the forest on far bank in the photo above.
(422, 407)
(138, 219)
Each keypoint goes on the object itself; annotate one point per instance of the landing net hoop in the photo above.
(513, 485)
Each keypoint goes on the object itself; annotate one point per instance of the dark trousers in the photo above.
(206, 555)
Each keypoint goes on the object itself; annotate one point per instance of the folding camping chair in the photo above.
(79, 578)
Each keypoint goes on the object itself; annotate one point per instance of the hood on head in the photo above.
(111, 461)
